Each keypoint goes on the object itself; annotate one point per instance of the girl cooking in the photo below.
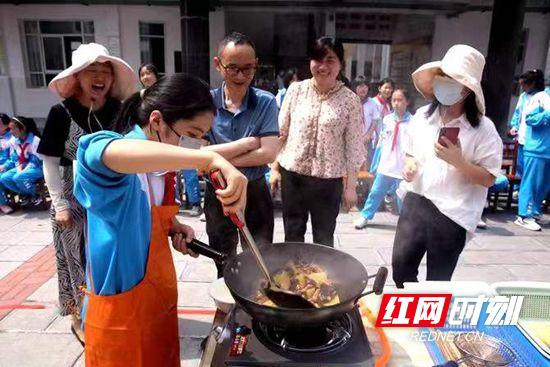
(131, 313)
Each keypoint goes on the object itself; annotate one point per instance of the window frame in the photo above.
(148, 36)
(37, 33)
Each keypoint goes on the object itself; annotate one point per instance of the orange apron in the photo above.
(139, 327)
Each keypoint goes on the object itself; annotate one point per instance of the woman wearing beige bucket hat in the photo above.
(453, 155)
(92, 89)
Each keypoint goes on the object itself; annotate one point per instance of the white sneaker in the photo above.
(528, 223)
(360, 223)
(481, 224)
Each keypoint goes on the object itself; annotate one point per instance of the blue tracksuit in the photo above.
(192, 188)
(535, 183)
(21, 177)
(5, 147)
(515, 123)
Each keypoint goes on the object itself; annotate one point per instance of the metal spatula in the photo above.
(281, 297)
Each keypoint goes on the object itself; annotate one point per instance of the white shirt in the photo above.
(155, 182)
(448, 189)
(370, 113)
(392, 161)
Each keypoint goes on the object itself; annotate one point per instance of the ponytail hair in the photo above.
(177, 96)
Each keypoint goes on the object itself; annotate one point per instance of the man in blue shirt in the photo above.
(245, 132)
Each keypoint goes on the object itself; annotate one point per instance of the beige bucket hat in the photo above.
(124, 83)
(463, 63)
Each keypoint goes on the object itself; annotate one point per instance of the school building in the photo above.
(381, 38)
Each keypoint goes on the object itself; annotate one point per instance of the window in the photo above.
(151, 44)
(49, 45)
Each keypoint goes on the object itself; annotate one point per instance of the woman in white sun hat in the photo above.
(92, 89)
(446, 177)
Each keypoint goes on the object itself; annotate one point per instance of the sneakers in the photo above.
(6, 209)
(528, 223)
(360, 223)
(25, 200)
(482, 224)
(540, 219)
(195, 211)
(37, 201)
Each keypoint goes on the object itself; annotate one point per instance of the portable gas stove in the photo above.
(242, 341)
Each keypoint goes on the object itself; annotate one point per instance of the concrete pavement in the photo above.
(36, 335)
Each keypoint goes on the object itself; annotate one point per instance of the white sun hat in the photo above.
(124, 79)
(463, 63)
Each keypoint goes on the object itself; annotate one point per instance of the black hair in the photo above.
(177, 96)
(359, 80)
(404, 91)
(237, 38)
(473, 115)
(323, 45)
(535, 78)
(289, 76)
(28, 124)
(150, 68)
(387, 80)
(5, 119)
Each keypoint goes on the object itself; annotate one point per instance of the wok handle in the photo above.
(379, 282)
(203, 249)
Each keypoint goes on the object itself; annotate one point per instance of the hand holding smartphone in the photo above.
(450, 133)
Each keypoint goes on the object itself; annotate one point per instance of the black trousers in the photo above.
(223, 234)
(423, 229)
(305, 195)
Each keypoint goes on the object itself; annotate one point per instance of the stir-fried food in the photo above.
(308, 280)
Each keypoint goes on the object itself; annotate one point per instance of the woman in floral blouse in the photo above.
(320, 125)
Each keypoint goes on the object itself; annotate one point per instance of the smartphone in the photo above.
(450, 133)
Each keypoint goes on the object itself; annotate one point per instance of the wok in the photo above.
(243, 278)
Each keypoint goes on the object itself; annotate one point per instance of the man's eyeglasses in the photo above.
(234, 70)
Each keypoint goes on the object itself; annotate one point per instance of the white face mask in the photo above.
(447, 91)
(189, 142)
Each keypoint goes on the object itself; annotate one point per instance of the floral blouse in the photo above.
(321, 133)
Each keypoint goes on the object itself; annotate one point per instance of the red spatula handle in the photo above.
(218, 181)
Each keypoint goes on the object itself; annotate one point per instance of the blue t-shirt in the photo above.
(256, 117)
(118, 216)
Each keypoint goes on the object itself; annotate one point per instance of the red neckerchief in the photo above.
(395, 133)
(21, 157)
(396, 128)
(385, 105)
